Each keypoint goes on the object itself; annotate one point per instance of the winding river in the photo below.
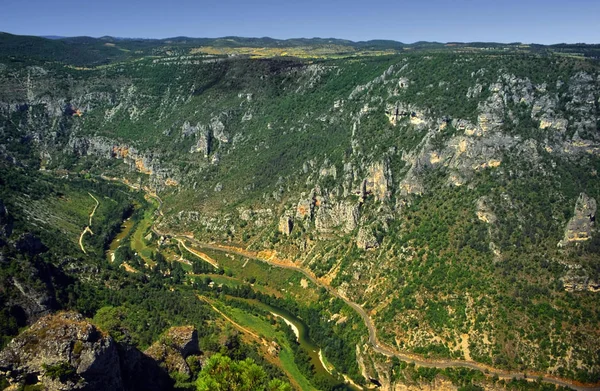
(302, 333)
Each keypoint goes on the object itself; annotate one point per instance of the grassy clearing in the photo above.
(218, 279)
(286, 356)
(269, 279)
(323, 52)
(72, 212)
(138, 243)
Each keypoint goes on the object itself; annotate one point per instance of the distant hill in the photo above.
(90, 51)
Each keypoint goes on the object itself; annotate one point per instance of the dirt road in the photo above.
(88, 229)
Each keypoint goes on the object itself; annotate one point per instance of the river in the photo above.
(302, 332)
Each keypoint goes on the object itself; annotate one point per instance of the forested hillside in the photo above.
(447, 191)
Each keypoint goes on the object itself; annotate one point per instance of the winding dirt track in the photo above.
(88, 229)
(198, 254)
(378, 346)
(227, 318)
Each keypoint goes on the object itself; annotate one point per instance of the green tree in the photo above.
(221, 373)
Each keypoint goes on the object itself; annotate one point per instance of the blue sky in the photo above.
(549, 21)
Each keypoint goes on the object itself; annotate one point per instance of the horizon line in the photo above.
(58, 37)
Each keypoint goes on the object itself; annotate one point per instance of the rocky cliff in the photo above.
(64, 351)
(579, 228)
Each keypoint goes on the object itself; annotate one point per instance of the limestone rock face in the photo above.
(173, 347)
(366, 239)
(218, 129)
(65, 339)
(203, 143)
(559, 124)
(141, 372)
(286, 224)
(378, 181)
(98, 146)
(401, 110)
(35, 301)
(144, 162)
(579, 228)
(491, 112)
(575, 283)
(343, 214)
(484, 212)
(582, 89)
(305, 208)
(188, 130)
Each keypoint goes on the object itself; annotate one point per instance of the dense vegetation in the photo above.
(222, 373)
(431, 186)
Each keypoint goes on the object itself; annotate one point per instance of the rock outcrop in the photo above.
(378, 181)
(343, 214)
(306, 207)
(579, 228)
(144, 162)
(218, 130)
(366, 239)
(574, 283)
(484, 212)
(286, 224)
(204, 138)
(173, 347)
(140, 372)
(34, 300)
(64, 352)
